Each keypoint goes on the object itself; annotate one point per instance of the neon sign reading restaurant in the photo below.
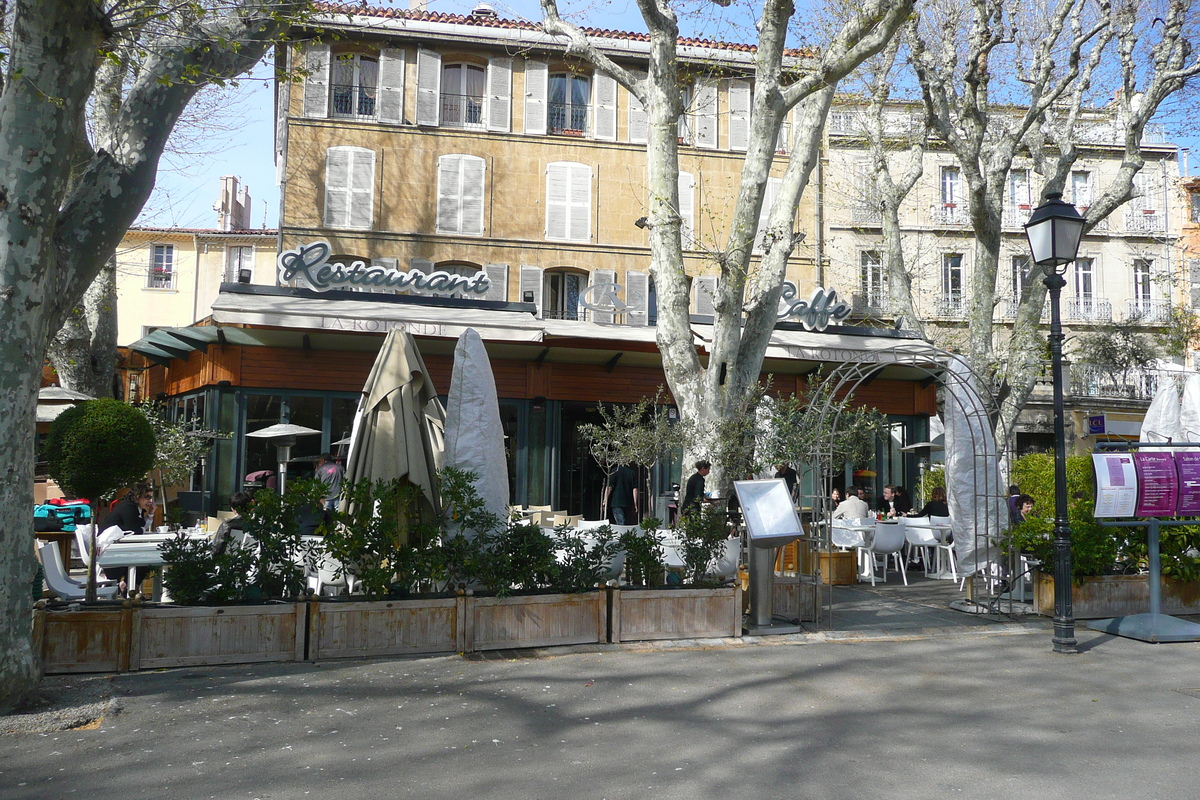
(310, 263)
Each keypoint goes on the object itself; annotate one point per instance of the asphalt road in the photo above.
(976, 714)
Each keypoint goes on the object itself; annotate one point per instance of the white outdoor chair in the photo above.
(590, 524)
(62, 584)
(726, 564)
(327, 577)
(569, 520)
(889, 543)
(946, 553)
(918, 534)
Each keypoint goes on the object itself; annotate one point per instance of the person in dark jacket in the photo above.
(134, 512)
(936, 507)
(694, 491)
(895, 502)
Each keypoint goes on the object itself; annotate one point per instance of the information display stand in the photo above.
(771, 522)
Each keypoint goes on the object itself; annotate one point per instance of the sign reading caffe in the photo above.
(309, 265)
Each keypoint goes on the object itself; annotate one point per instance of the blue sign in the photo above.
(1096, 425)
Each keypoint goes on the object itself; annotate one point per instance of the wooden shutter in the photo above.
(473, 171)
(391, 86)
(606, 108)
(703, 290)
(337, 187)
(531, 281)
(498, 275)
(705, 116)
(460, 194)
(639, 124)
(499, 111)
(429, 87)
(602, 277)
(739, 115)
(362, 187)
(568, 201)
(316, 81)
(764, 215)
(687, 209)
(537, 84)
(637, 290)
(784, 143)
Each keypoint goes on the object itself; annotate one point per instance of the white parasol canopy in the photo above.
(1162, 422)
(400, 426)
(474, 433)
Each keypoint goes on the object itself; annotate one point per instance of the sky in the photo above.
(235, 134)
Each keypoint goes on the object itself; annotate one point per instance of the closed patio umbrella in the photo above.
(474, 434)
(400, 425)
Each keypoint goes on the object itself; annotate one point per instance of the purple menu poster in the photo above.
(1116, 484)
(1158, 484)
(1188, 465)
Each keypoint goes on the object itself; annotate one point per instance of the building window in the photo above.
(570, 96)
(162, 267)
(354, 80)
(1020, 275)
(568, 201)
(561, 292)
(462, 96)
(684, 125)
(952, 283)
(1194, 207)
(951, 187)
(651, 303)
(1085, 278)
(872, 278)
(1018, 188)
(1142, 268)
(349, 187)
(1081, 189)
(465, 269)
(460, 194)
(239, 264)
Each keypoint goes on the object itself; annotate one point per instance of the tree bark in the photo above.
(84, 351)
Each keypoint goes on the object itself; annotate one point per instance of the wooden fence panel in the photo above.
(195, 636)
(649, 614)
(536, 620)
(384, 628)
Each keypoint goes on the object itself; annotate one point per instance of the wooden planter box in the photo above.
(838, 568)
(91, 640)
(795, 598)
(386, 627)
(646, 614)
(540, 620)
(1107, 596)
(185, 636)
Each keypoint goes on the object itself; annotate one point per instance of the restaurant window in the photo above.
(462, 95)
(354, 80)
(460, 194)
(161, 274)
(568, 201)
(570, 100)
(562, 291)
(349, 187)
(239, 264)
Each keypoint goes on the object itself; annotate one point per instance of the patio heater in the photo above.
(1054, 230)
(283, 436)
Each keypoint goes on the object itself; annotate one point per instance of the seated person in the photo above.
(1024, 508)
(853, 507)
(134, 512)
(936, 507)
(232, 527)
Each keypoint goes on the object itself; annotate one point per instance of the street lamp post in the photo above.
(1054, 231)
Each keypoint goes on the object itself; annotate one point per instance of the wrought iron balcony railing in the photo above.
(462, 111)
(354, 101)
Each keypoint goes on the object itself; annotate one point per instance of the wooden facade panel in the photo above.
(313, 370)
(593, 382)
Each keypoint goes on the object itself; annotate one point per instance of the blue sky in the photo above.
(241, 145)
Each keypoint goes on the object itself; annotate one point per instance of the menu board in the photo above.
(1188, 466)
(1116, 484)
(1158, 484)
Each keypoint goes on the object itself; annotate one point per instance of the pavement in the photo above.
(980, 709)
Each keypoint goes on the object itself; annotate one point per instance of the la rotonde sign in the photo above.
(309, 263)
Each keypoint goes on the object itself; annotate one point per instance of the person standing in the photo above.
(788, 474)
(622, 496)
(694, 490)
(330, 473)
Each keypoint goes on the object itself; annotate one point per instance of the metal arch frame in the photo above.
(980, 407)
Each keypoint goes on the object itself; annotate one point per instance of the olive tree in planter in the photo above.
(95, 448)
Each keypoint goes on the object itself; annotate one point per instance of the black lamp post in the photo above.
(1054, 231)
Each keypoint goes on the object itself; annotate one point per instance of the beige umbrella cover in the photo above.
(399, 431)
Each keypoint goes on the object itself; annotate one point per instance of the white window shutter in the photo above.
(568, 201)
(739, 115)
(531, 284)
(705, 116)
(362, 188)
(784, 143)
(769, 196)
(687, 209)
(537, 84)
(337, 187)
(386, 263)
(602, 277)
(391, 86)
(639, 124)
(449, 194)
(605, 126)
(637, 287)
(473, 170)
(498, 278)
(581, 203)
(703, 290)
(429, 87)
(499, 111)
(316, 81)
(558, 178)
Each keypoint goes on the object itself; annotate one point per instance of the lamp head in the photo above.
(1054, 231)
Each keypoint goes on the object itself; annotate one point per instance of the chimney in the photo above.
(233, 208)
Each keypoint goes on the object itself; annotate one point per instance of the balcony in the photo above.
(950, 307)
(866, 213)
(855, 123)
(1015, 216)
(462, 111)
(159, 278)
(871, 304)
(949, 214)
(354, 101)
(1145, 222)
(1087, 309)
(1151, 312)
(1133, 384)
(567, 119)
(1007, 309)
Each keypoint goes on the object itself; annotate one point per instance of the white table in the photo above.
(139, 550)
